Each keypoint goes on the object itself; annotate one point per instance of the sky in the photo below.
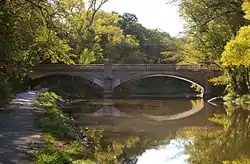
(153, 14)
(173, 153)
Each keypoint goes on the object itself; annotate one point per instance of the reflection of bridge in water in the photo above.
(110, 76)
(193, 111)
(110, 111)
(115, 120)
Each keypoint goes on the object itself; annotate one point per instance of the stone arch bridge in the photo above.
(110, 76)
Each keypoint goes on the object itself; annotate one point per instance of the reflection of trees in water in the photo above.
(121, 152)
(130, 155)
(196, 103)
(231, 143)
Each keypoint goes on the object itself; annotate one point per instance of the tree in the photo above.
(26, 40)
(90, 31)
(235, 58)
(27, 37)
(34, 32)
(151, 43)
(210, 25)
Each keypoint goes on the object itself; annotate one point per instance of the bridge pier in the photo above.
(108, 94)
(107, 87)
(108, 81)
(208, 86)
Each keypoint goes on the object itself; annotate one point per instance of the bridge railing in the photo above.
(119, 67)
(70, 68)
(159, 67)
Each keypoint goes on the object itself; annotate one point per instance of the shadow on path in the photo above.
(19, 136)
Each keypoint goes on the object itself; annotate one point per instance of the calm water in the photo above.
(157, 130)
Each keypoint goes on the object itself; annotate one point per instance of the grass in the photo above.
(60, 142)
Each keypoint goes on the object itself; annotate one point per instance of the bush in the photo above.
(52, 155)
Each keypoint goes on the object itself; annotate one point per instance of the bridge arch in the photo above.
(92, 80)
(143, 76)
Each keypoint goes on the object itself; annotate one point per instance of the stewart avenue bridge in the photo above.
(110, 76)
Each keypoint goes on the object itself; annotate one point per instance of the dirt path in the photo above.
(18, 132)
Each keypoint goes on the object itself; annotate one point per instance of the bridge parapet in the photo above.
(69, 68)
(160, 67)
(122, 67)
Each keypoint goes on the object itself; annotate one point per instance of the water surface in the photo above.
(159, 129)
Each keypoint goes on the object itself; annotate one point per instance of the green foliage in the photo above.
(246, 8)
(48, 99)
(9, 86)
(237, 51)
(51, 47)
(51, 155)
(87, 28)
(238, 161)
(141, 45)
(211, 24)
(55, 125)
(83, 162)
(49, 139)
(19, 23)
(74, 149)
(218, 33)
(229, 144)
(5, 89)
(53, 120)
(27, 38)
(220, 80)
(196, 104)
(235, 58)
(196, 87)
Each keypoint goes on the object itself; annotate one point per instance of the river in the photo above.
(151, 130)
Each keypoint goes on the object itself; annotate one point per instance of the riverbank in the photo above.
(64, 141)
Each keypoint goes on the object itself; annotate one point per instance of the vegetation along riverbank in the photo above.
(33, 33)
